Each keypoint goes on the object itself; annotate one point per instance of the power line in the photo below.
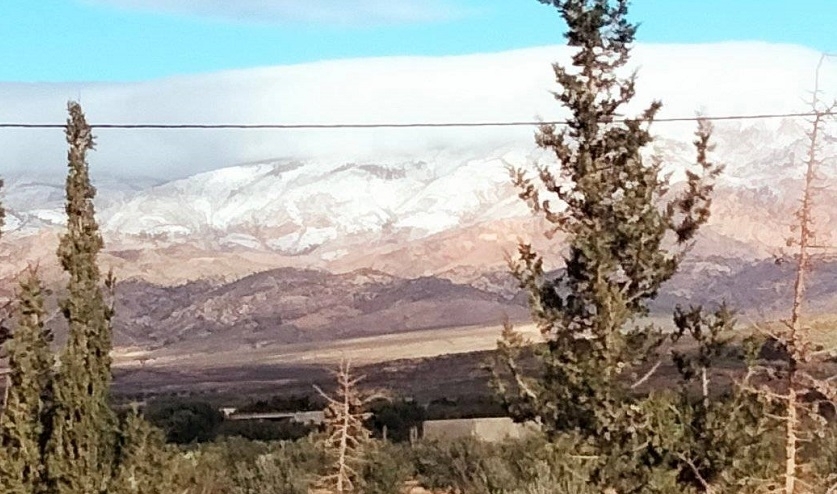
(763, 116)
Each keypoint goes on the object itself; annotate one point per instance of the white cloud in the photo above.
(316, 11)
(723, 79)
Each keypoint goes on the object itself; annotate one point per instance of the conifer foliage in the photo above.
(57, 430)
(626, 228)
(611, 215)
(80, 449)
(144, 462)
(28, 392)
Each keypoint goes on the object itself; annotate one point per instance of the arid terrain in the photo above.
(284, 327)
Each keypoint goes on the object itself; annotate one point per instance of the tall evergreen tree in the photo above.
(626, 231)
(79, 454)
(28, 393)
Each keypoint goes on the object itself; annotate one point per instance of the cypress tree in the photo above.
(626, 234)
(79, 454)
(28, 393)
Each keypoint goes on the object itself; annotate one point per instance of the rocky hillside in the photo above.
(285, 306)
(291, 306)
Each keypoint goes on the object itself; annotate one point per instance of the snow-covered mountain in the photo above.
(324, 212)
(296, 207)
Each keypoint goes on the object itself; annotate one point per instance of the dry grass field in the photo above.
(361, 351)
(430, 363)
(410, 362)
(447, 358)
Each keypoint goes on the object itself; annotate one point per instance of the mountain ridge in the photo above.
(449, 210)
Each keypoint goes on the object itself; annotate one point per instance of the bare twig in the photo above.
(647, 375)
(707, 488)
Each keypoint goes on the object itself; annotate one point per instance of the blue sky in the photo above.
(129, 40)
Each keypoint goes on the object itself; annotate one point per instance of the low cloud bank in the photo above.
(727, 78)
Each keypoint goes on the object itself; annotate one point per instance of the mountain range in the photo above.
(445, 215)
(312, 246)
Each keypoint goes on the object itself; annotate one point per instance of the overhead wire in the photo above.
(389, 125)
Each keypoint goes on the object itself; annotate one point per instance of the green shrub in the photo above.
(239, 466)
(293, 403)
(396, 417)
(263, 430)
(386, 468)
(185, 422)
(543, 478)
(287, 468)
(201, 470)
(464, 464)
(529, 466)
